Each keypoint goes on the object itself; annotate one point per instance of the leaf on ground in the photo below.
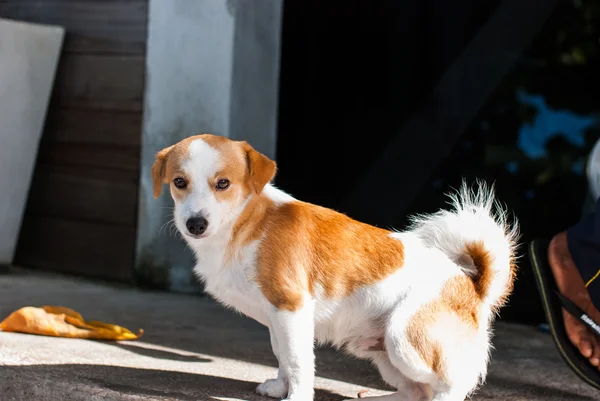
(59, 321)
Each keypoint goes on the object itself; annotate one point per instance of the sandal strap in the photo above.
(578, 313)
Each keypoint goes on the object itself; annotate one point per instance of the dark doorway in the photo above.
(354, 72)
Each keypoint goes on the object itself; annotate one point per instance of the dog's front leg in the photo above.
(294, 331)
(275, 388)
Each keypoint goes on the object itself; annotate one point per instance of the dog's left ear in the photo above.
(159, 170)
(261, 169)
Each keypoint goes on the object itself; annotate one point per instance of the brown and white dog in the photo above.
(418, 303)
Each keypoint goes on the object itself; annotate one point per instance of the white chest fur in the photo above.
(231, 282)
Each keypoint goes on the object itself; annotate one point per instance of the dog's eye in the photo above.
(223, 184)
(179, 183)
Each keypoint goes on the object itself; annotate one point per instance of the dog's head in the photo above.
(211, 178)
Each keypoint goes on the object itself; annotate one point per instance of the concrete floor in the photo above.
(193, 349)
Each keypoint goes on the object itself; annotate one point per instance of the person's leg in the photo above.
(574, 257)
(593, 171)
(584, 245)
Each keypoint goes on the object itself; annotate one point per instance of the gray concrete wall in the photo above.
(212, 66)
(255, 75)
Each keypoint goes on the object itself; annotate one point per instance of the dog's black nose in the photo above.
(196, 225)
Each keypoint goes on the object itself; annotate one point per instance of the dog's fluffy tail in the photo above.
(477, 237)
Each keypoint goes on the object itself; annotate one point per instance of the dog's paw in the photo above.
(274, 388)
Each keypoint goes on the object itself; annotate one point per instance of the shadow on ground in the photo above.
(54, 382)
(74, 382)
(185, 333)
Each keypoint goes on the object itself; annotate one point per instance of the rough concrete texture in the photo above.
(193, 349)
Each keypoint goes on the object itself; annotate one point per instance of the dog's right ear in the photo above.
(159, 170)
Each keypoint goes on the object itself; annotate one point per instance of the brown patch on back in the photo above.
(306, 246)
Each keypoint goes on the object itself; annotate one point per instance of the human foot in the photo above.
(571, 285)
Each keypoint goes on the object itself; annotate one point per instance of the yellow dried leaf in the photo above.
(113, 327)
(57, 310)
(59, 321)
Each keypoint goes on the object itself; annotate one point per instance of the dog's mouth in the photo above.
(200, 236)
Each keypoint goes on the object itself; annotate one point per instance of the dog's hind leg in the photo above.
(436, 347)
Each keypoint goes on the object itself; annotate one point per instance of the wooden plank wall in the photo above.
(81, 213)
